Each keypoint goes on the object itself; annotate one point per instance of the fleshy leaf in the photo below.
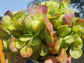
(36, 51)
(76, 28)
(57, 21)
(36, 41)
(67, 19)
(12, 45)
(44, 50)
(4, 34)
(6, 21)
(46, 36)
(18, 15)
(58, 45)
(67, 41)
(76, 53)
(25, 37)
(33, 25)
(77, 44)
(20, 44)
(9, 13)
(28, 22)
(63, 30)
(80, 22)
(70, 40)
(78, 40)
(18, 26)
(52, 33)
(37, 26)
(52, 8)
(5, 45)
(63, 56)
(51, 59)
(26, 52)
(41, 9)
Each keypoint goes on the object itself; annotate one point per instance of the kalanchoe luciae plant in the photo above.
(49, 30)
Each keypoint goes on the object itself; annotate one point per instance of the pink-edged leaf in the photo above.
(32, 11)
(53, 44)
(51, 59)
(12, 45)
(9, 13)
(38, 9)
(52, 34)
(63, 56)
(26, 52)
(42, 9)
(80, 21)
(4, 34)
(67, 19)
(48, 24)
(61, 1)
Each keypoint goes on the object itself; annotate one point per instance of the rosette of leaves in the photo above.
(47, 30)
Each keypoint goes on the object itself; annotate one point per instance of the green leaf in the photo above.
(52, 7)
(20, 44)
(5, 44)
(75, 53)
(67, 37)
(36, 51)
(18, 26)
(25, 37)
(4, 34)
(36, 41)
(6, 21)
(76, 47)
(74, 21)
(63, 30)
(77, 44)
(76, 28)
(62, 56)
(12, 45)
(58, 45)
(26, 52)
(69, 41)
(37, 26)
(44, 50)
(18, 15)
(41, 17)
(57, 21)
(78, 40)
(33, 25)
(28, 22)
(46, 36)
